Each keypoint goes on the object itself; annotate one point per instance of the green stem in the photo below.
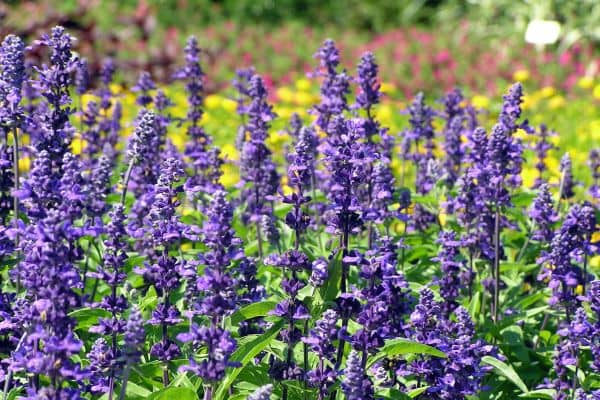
(16, 179)
(126, 181)
(496, 264)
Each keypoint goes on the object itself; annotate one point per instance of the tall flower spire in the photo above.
(259, 177)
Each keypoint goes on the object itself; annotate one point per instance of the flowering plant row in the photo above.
(132, 271)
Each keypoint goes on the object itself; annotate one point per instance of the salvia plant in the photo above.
(351, 263)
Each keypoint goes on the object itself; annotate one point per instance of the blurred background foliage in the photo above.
(426, 44)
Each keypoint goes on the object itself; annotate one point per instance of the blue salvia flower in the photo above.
(82, 77)
(300, 177)
(99, 188)
(12, 76)
(259, 177)
(568, 245)
(451, 268)
(541, 149)
(421, 129)
(344, 158)
(163, 230)
(575, 334)
(455, 116)
(142, 152)
(380, 185)
(50, 278)
(356, 385)
(453, 149)
(73, 188)
(143, 87)
(511, 110)
(334, 88)
(291, 309)
(219, 345)
(55, 131)
(213, 293)
(104, 92)
(102, 362)
(109, 121)
(593, 299)
(91, 130)
(385, 296)
(543, 215)
(6, 182)
(134, 336)
(461, 373)
(262, 393)
(204, 161)
(107, 367)
(421, 133)
(39, 191)
(368, 83)
(320, 341)
(567, 181)
(241, 83)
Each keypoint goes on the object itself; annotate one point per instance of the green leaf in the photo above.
(396, 347)
(134, 391)
(331, 288)
(416, 392)
(179, 393)
(244, 354)
(392, 394)
(253, 310)
(539, 394)
(87, 317)
(507, 371)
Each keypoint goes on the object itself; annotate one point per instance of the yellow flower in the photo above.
(554, 180)
(556, 102)
(285, 94)
(521, 134)
(521, 75)
(230, 152)
(547, 91)
(387, 87)
(595, 262)
(77, 145)
(443, 217)
(579, 290)
(596, 92)
(552, 163)
(480, 101)
(283, 112)
(596, 237)
(585, 82)
(24, 164)
(86, 98)
(303, 98)
(303, 84)
(187, 210)
(384, 112)
(186, 246)
(115, 88)
(276, 139)
(212, 101)
(230, 175)
(178, 139)
(528, 175)
(229, 105)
